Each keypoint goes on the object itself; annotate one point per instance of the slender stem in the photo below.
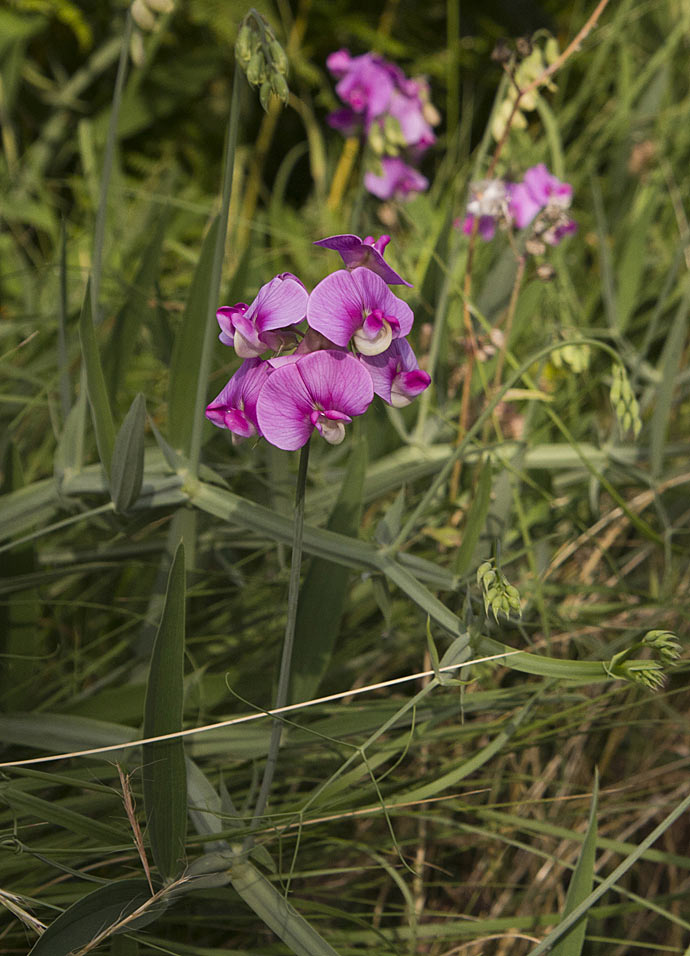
(289, 639)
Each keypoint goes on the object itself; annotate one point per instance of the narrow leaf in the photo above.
(69, 454)
(95, 385)
(93, 914)
(476, 518)
(277, 913)
(186, 362)
(127, 470)
(580, 885)
(164, 775)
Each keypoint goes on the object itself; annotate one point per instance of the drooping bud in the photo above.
(265, 95)
(262, 58)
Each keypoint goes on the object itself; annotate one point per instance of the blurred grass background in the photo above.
(471, 855)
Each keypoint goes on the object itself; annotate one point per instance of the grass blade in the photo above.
(127, 470)
(164, 774)
(189, 344)
(272, 907)
(580, 885)
(475, 521)
(95, 385)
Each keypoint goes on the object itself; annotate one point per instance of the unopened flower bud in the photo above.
(546, 272)
(243, 45)
(161, 6)
(279, 87)
(265, 95)
(280, 60)
(142, 16)
(256, 71)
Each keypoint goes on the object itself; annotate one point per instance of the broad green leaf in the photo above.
(127, 469)
(476, 518)
(163, 763)
(186, 361)
(322, 596)
(94, 914)
(580, 885)
(95, 384)
(277, 913)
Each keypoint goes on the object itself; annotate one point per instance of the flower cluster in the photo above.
(354, 347)
(541, 201)
(394, 115)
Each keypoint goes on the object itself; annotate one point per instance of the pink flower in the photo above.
(364, 252)
(235, 407)
(321, 391)
(265, 323)
(538, 190)
(365, 84)
(396, 374)
(358, 306)
(396, 179)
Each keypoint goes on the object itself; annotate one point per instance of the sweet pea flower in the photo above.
(365, 84)
(235, 407)
(364, 252)
(252, 329)
(397, 179)
(322, 391)
(396, 374)
(358, 306)
(538, 190)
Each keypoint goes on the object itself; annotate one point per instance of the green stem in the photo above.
(216, 270)
(289, 639)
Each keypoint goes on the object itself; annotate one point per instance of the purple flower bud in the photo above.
(235, 407)
(364, 252)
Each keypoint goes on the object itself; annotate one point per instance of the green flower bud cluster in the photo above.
(574, 354)
(624, 402)
(498, 594)
(262, 58)
(146, 14)
(650, 673)
(535, 59)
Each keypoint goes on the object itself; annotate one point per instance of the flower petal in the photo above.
(284, 408)
(279, 303)
(335, 308)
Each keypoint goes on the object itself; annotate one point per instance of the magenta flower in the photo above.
(319, 391)
(358, 306)
(235, 407)
(396, 374)
(265, 323)
(396, 179)
(408, 108)
(365, 84)
(538, 190)
(364, 252)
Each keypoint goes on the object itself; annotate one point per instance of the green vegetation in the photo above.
(489, 641)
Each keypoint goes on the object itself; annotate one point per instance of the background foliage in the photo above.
(430, 817)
